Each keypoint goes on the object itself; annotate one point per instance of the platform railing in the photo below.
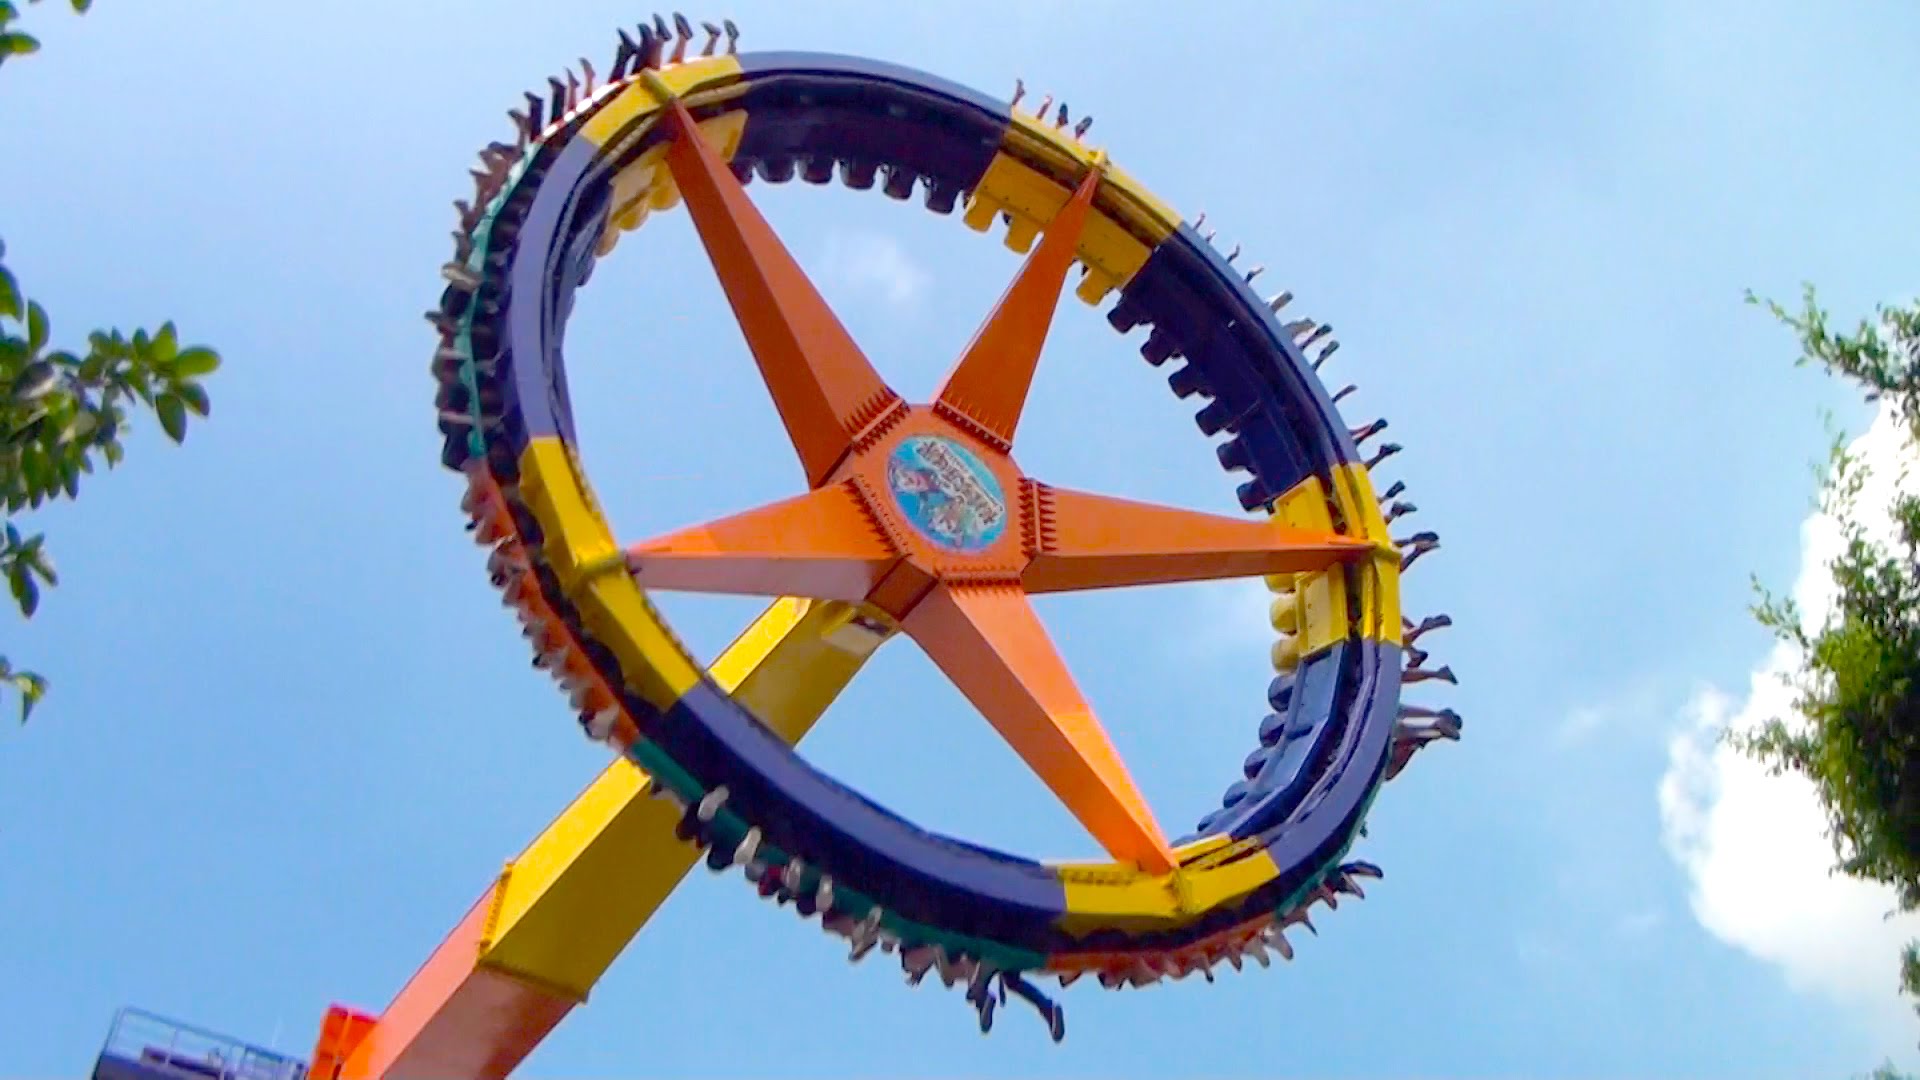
(171, 1048)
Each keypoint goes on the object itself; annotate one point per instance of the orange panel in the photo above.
(455, 1018)
(340, 1033)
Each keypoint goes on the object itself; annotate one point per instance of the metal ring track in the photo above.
(545, 207)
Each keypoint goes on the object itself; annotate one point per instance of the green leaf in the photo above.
(195, 396)
(33, 466)
(115, 453)
(35, 381)
(18, 44)
(41, 562)
(195, 362)
(81, 427)
(9, 294)
(36, 326)
(81, 6)
(26, 592)
(31, 689)
(173, 415)
(165, 345)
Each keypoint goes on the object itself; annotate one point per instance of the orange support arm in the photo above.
(457, 1017)
(529, 950)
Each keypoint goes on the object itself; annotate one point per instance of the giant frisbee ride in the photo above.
(917, 519)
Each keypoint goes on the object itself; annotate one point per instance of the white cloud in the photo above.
(1639, 924)
(1239, 606)
(875, 264)
(1621, 715)
(1582, 722)
(1624, 715)
(1753, 845)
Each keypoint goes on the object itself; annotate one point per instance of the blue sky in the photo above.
(292, 734)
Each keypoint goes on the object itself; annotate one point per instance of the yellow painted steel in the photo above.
(1310, 612)
(1032, 177)
(1380, 576)
(641, 96)
(571, 902)
(1054, 151)
(645, 184)
(580, 549)
(1311, 609)
(575, 537)
(1213, 871)
(578, 894)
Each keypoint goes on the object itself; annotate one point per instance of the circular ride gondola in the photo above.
(918, 520)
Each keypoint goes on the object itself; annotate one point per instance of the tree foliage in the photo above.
(64, 412)
(1859, 687)
(16, 43)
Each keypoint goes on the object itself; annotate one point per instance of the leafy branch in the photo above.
(14, 43)
(1858, 689)
(63, 413)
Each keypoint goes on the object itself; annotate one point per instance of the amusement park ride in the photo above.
(916, 520)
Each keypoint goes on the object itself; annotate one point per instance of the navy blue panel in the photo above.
(1312, 720)
(586, 222)
(1334, 717)
(812, 110)
(1340, 794)
(531, 283)
(761, 66)
(1303, 730)
(921, 875)
(1301, 389)
(1179, 291)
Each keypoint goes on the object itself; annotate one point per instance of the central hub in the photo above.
(949, 505)
(947, 493)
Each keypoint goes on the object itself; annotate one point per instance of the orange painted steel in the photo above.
(340, 1032)
(821, 382)
(989, 641)
(990, 383)
(822, 545)
(1090, 541)
(456, 1017)
(849, 540)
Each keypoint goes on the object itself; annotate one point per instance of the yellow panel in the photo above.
(1055, 151)
(576, 534)
(1380, 599)
(1031, 179)
(645, 184)
(638, 99)
(1320, 598)
(571, 902)
(1380, 580)
(1112, 896)
(814, 663)
(1353, 494)
(619, 616)
(1112, 254)
(581, 551)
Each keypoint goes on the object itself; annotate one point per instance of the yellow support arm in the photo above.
(559, 915)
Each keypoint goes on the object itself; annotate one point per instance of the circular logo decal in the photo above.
(947, 493)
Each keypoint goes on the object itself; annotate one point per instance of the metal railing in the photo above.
(178, 1049)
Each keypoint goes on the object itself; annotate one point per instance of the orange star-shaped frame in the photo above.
(921, 513)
